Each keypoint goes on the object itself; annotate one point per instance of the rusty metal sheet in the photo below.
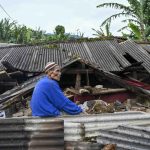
(31, 133)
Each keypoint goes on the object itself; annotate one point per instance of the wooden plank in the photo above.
(8, 83)
(16, 73)
(72, 91)
(26, 86)
(107, 91)
(78, 81)
(87, 78)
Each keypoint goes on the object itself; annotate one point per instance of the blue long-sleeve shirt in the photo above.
(49, 100)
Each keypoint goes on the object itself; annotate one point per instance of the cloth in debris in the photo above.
(49, 100)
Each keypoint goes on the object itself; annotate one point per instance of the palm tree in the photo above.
(138, 10)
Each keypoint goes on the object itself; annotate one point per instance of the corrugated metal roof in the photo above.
(31, 134)
(73, 131)
(109, 55)
(76, 49)
(93, 123)
(137, 52)
(105, 55)
(118, 53)
(4, 52)
(34, 58)
(126, 137)
(146, 47)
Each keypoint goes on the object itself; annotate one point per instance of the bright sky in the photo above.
(74, 15)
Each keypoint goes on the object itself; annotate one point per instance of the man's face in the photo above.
(56, 73)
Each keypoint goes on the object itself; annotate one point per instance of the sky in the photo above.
(75, 15)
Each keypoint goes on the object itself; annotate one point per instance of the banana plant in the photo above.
(103, 32)
(137, 12)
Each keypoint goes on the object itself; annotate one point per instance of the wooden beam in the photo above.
(78, 81)
(81, 71)
(107, 91)
(135, 74)
(16, 73)
(13, 100)
(87, 78)
(8, 83)
(123, 83)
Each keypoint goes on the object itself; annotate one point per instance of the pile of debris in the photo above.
(96, 85)
(112, 75)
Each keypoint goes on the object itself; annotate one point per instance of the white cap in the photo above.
(49, 66)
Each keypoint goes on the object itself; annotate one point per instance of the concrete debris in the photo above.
(70, 91)
(99, 86)
(84, 91)
(97, 106)
(24, 112)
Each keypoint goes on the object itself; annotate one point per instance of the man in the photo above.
(48, 99)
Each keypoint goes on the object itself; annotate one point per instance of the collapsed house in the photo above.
(86, 82)
(99, 71)
(119, 67)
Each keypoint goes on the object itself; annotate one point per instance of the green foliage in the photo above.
(115, 5)
(135, 29)
(138, 13)
(103, 32)
(59, 30)
(11, 32)
(99, 33)
(147, 31)
(51, 46)
(14, 33)
(59, 34)
(6, 29)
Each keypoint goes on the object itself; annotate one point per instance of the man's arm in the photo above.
(61, 102)
(71, 108)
